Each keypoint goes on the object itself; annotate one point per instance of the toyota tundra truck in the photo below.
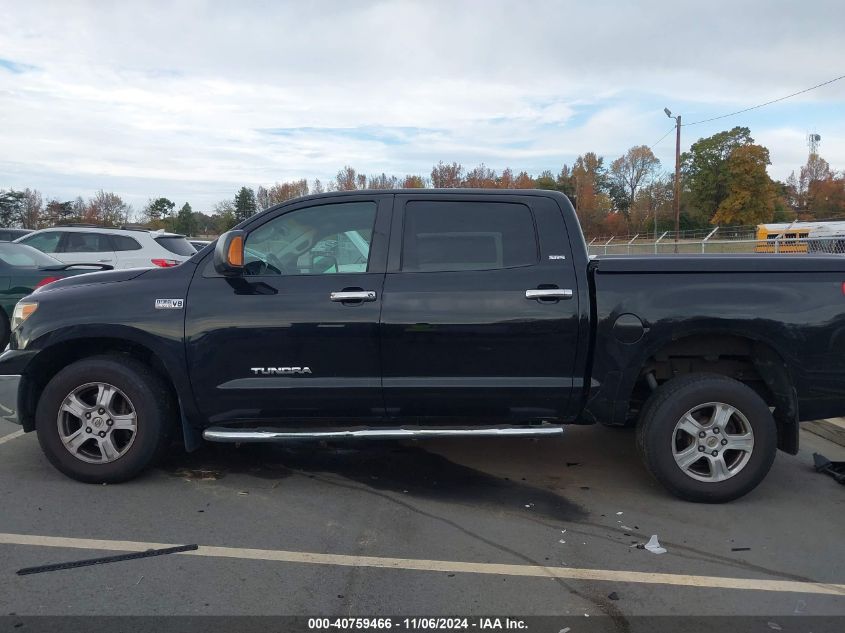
(430, 313)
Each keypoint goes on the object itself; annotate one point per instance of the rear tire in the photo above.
(707, 438)
(104, 419)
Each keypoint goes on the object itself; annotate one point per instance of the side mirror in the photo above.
(229, 254)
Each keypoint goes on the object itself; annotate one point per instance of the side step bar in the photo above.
(223, 434)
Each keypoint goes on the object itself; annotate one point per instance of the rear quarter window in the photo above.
(177, 245)
(125, 243)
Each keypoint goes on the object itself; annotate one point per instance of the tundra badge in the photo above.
(279, 371)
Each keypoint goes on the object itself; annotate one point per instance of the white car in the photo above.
(121, 248)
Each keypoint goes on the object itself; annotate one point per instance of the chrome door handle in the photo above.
(357, 295)
(549, 293)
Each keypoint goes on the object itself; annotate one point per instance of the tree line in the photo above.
(723, 177)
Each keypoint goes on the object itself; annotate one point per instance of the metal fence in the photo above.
(666, 245)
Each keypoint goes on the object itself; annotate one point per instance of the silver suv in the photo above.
(121, 248)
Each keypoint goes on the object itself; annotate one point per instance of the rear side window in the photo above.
(453, 236)
(47, 242)
(85, 243)
(124, 243)
(176, 244)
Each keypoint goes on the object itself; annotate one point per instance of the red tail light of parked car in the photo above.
(46, 280)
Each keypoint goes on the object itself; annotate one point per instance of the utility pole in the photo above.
(676, 197)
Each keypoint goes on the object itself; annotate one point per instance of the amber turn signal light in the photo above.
(236, 251)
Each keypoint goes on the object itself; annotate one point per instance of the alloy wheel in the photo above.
(97, 423)
(712, 442)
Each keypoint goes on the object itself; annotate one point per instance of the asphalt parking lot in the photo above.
(508, 527)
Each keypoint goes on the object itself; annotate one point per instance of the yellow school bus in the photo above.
(782, 238)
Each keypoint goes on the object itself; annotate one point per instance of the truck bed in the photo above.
(661, 311)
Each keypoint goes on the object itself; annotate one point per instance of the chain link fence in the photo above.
(666, 245)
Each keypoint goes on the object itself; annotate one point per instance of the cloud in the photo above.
(220, 94)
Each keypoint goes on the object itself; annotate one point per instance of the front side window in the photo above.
(326, 239)
(455, 236)
(46, 242)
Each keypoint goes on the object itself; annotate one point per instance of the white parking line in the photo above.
(11, 436)
(413, 564)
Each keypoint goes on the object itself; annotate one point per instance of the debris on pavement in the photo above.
(835, 469)
(106, 559)
(654, 546)
(740, 549)
(613, 595)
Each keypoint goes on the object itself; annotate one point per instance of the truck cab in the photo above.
(410, 309)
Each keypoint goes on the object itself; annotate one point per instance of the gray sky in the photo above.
(193, 99)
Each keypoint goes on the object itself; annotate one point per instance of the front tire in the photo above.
(707, 438)
(104, 419)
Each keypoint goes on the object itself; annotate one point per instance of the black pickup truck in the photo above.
(418, 313)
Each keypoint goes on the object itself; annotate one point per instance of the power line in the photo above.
(653, 145)
(724, 116)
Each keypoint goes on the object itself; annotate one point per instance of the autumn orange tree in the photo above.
(280, 192)
(413, 182)
(447, 176)
(826, 197)
(818, 193)
(750, 193)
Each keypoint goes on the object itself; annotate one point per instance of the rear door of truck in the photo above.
(480, 310)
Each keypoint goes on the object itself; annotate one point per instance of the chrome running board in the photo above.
(223, 434)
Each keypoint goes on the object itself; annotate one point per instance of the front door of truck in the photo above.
(295, 339)
(480, 310)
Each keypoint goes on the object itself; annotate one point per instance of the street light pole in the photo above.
(676, 196)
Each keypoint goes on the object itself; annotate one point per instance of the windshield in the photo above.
(21, 255)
